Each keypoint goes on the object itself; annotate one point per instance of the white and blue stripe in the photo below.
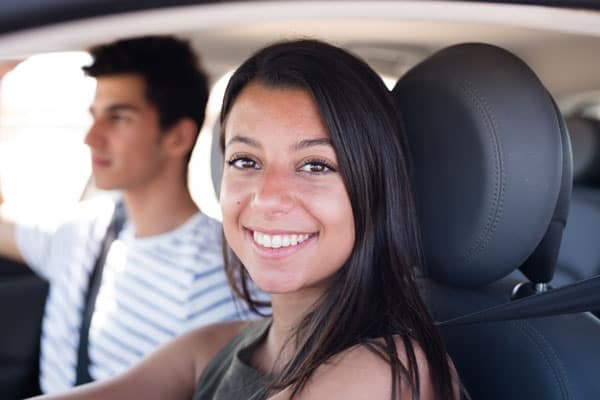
(152, 290)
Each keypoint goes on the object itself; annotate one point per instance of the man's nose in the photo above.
(94, 136)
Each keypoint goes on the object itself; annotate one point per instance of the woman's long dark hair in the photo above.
(374, 295)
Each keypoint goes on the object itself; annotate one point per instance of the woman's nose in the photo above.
(275, 193)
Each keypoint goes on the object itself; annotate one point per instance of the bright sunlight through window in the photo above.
(44, 164)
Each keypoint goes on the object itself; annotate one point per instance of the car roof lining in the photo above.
(31, 13)
(393, 35)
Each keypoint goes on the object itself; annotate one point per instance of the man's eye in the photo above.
(118, 118)
(317, 167)
(243, 163)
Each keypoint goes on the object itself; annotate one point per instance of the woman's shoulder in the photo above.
(207, 341)
(361, 372)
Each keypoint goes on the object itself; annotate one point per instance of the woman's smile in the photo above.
(279, 245)
(277, 241)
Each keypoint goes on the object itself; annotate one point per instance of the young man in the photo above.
(164, 273)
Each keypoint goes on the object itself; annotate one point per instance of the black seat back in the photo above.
(22, 300)
(579, 256)
(489, 164)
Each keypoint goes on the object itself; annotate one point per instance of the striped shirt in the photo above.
(153, 289)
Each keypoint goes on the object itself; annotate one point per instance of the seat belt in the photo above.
(83, 361)
(578, 297)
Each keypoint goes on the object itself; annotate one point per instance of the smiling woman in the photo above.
(315, 168)
(310, 214)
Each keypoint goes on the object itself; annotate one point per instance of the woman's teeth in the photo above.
(277, 241)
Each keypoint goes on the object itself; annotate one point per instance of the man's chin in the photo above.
(103, 184)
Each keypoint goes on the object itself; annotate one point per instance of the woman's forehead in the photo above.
(263, 111)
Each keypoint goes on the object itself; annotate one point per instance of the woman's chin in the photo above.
(276, 283)
(275, 287)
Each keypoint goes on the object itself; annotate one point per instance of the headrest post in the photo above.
(541, 287)
(525, 289)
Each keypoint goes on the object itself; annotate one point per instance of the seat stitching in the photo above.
(496, 211)
(548, 354)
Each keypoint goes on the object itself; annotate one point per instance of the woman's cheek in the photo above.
(235, 192)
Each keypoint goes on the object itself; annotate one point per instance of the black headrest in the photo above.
(487, 160)
(585, 141)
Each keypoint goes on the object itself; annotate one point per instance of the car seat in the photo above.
(22, 300)
(579, 256)
(492, 170)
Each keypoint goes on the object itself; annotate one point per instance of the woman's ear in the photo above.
(181, 137)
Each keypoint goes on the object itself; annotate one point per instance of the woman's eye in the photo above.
(243, 163)
(317, 167)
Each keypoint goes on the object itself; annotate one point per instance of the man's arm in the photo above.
(8, 242)
(171, 372)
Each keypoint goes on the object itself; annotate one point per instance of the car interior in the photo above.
(500, 102)
(504, 208)
(579, 256)
(22, 299)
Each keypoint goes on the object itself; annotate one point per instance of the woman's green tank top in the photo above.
(229, 375)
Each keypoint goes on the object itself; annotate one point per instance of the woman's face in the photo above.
(286, 212)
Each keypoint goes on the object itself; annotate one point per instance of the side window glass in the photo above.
(44, 164)
(206, 164)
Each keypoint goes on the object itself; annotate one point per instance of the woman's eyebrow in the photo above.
(243, 140)
(303, 144)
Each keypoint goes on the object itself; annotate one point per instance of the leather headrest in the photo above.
(585, 141)
(487, 160)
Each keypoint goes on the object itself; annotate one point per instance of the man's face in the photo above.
(125, 138)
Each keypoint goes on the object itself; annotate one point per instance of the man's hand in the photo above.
(1, 197)
(7, 66)
(8, 243)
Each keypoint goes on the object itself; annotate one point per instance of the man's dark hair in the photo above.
(175, 83)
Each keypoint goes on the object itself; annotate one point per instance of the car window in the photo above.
(44, 116)
(44, 164)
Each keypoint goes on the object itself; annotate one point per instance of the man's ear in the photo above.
(181, 137)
